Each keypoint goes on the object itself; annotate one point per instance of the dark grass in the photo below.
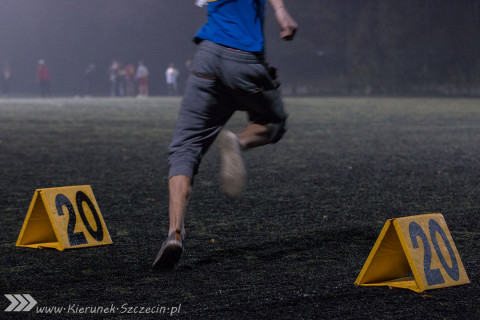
(290, 248)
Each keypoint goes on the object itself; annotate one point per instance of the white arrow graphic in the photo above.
(20, 302)
(13, 301)
(31, 301)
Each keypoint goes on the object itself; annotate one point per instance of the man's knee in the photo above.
(278, 130)
(182, 164)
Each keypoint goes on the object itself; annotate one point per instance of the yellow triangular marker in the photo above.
(63, 218)
(37, 230)
(416, 253)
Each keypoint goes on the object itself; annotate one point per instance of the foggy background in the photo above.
(343, 47)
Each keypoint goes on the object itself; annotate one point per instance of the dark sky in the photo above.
(68, 34)
(341, 45)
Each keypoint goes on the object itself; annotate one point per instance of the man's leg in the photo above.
(180, 188)
(254, 135)
(232, 171)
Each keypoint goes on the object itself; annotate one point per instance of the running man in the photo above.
(229, 73)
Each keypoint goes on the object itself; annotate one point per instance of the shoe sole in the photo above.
(168, 256)
(232, 172)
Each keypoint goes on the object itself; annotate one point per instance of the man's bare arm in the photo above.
(288, 26)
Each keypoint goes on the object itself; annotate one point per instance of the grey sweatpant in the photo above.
(222, 81)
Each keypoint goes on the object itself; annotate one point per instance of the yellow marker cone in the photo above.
(416, 253)
(64, 218)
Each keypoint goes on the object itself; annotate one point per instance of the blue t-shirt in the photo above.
(235, 23)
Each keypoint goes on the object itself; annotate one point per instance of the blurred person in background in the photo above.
(171, 75)
(142, 78)
(89, 79)
(113, 77)
(6, 78)
(130, 88)
(43, 78)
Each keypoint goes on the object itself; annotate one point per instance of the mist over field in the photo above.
(350, 47)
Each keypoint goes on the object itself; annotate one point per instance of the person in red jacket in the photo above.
(43, 78)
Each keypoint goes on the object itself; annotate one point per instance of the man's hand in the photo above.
(288, 26)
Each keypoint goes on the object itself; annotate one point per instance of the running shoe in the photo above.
(232, 169)
(170, 253)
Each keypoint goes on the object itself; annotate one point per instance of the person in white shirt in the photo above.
(171, 75)
(142, 78)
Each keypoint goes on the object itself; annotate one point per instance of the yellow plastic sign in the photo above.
(64, 218)
(416, 253)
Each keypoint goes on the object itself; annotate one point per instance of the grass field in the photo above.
(290, 248)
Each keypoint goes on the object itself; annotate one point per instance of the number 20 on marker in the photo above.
(433, 251)
(64, 218)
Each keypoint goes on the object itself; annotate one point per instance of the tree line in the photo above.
(385, 47)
